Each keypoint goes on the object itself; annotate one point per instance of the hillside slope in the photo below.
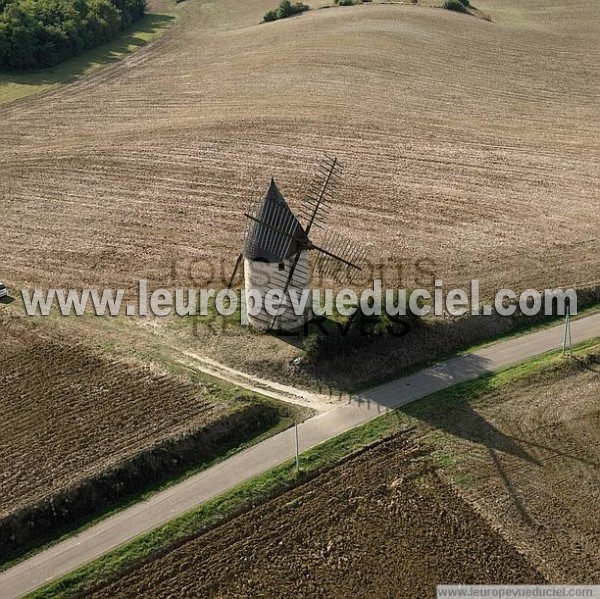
(473, 144)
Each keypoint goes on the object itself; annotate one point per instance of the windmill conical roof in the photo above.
(278, 235)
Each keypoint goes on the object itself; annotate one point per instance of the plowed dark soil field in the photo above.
(69, 413)
(383, 525)
(496, 482)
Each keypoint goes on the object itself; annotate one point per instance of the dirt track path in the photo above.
(317, 401)
(124, 526)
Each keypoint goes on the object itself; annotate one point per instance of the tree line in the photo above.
(40, 33)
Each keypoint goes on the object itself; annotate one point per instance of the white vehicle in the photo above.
(3, 290)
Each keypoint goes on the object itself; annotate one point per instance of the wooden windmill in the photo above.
(276, 247)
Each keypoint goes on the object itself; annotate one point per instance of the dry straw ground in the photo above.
(469, 142)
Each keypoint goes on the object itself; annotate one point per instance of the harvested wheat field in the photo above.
(70, 414)
(469, 142)
(381, 525)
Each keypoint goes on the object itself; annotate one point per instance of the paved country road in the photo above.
(129, 523)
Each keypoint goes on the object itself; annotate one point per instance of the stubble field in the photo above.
(467, 142)
(472, 144)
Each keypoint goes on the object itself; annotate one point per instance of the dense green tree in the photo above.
(132, 10)
(284, 10)
(5, 3)
(18, 37)
(40, 33)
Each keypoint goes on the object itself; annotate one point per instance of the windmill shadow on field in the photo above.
(456, 416)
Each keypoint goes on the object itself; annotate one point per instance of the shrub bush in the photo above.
(284, 10)
(356, 334)
(456, 5)
(270, 16)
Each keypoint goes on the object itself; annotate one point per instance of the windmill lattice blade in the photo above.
(315, 207)
(339, 258)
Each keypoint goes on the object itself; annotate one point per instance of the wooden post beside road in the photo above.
(297, 448)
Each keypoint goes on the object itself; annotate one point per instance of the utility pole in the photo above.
(297, 448)
(566, 345)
